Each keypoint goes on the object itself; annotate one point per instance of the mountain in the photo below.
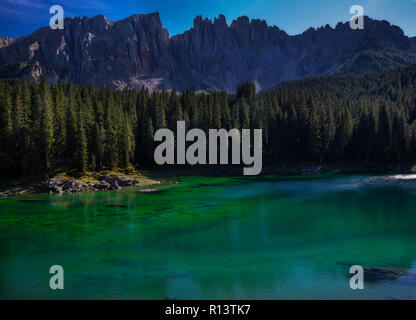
(138, 51)
(376, 61)
(4, 41)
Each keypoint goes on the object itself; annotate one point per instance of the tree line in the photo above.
(46, 127)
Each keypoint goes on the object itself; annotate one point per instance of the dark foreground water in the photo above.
(215, 238)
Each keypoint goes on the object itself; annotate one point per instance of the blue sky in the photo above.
(21, 17)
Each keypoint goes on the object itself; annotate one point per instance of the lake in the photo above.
(215, 238)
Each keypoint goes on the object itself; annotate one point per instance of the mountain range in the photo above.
(137, 51)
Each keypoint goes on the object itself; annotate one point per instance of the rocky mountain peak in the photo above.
(240, 21)
(221, 21)
(137, 51)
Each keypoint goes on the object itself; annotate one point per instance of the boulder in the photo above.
(113, 182)
(56, 189)
(125, 181)
(103, 185)
(55, 185)
(72, 186)
(85, 187)
(54, 182)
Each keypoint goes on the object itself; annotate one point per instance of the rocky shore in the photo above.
(61, 184)
(102, 181)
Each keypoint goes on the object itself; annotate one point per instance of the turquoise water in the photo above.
(214, 238)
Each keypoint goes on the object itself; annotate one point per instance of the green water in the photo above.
(214, 238)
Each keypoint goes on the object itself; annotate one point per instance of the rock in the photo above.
(85, 188)
(125, 181)
(102, 185)
(113, 182)
(57, 190)
(72, 186)
(53, 182)
(54, 185)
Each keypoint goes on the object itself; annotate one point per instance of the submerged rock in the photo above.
(116, 206)
(382, 274)
(375, 274)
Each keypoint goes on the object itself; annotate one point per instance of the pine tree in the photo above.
(71, 128)
(149, 142)
(5, 125)
(244, 115)
(81, 152)
(384, 134)
(46, 124)
(127, 144)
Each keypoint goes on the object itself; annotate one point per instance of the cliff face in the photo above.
(4, 41)
(138, 51)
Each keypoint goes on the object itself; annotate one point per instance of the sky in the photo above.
(21, 17)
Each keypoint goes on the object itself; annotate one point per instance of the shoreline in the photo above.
(63, 183)
(283, 169)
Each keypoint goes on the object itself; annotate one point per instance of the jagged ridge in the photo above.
(137, 51)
